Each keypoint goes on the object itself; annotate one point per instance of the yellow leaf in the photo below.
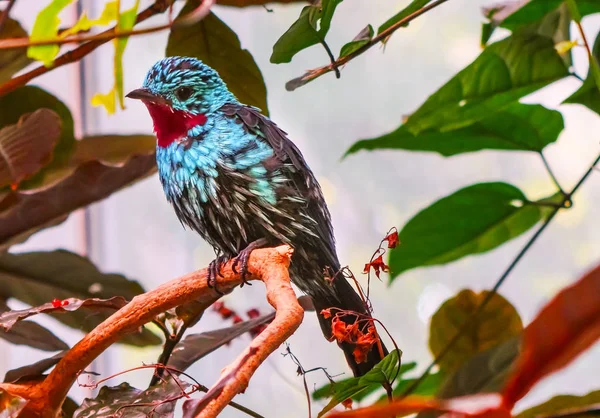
(46, 27)
(565, 46)
(109, 14)
(107, 100)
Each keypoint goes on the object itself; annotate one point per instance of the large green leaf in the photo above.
(497, 322)
(46, 27)
(472, 220)
(39, 277)
(516, 127)
(408, 10)
(384, 371)
(588, 94)
(12, 60)
(99, 167)
(534, 10)
(310, 29)
(28, 99)
(566, 404)
(504, 72)
(213, 42)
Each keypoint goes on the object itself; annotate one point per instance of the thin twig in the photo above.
(550, 172)
(331, 58)
(5, 13)
(318, 72)
(168, 348)
(193, 17)
(566, 199)
(585, 41)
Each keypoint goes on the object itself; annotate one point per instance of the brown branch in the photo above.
(198, 14)
(318, 72)
(270, 265)
(235, 377)
(5, 13)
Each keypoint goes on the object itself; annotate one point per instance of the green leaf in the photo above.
(589, 93)
(565, 404)
(125, 23)
(516, 127)
(498, 322)
(213, 42)
(110, 13)
(46, 27)
(28, 99)
(12, 60)
(305, 32)
(118, 160)
(575, 13)
(363, 38)
(39, 277)
(504, 72)
(384, 371)
(408, 10)
(472, 220)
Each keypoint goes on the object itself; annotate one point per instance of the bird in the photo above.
(234, 177)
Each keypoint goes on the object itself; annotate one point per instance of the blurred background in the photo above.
(136, 233)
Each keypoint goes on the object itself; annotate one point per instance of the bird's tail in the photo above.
(345, 297)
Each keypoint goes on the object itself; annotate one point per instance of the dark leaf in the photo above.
(384, 371)
(498, 322)
(31, 334)
(363, 38)
(12, 60)
(212, 41)
(328, 390)
(28, 99)
(10, 405)
(68, 408)
(196, 346)
(588, 94)
(533, 11)
(310, 29)
(27, 146)
(33, 370)
(10, 318)
(99, 167)
(516, 127)
(35, 278)
(504, 72)
(408, 10)
(567, 326)
(575, 406)
(472, 220)
(122, 400)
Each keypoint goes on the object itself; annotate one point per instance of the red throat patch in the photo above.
(171, 125)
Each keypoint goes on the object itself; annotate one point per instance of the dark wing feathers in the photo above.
(303, 178)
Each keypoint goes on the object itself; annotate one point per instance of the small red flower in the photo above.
(253, 313)
(326, 313)
(65, 302)
(57, 303)
(237, 319)
(347, 403)
(392, 239)
(222, 310)
(378, 265)
(339, 330)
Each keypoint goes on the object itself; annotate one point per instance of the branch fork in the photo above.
(269, 265)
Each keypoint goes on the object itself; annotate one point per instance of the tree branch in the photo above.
(5, 13)
(269, 265)
(318, 72)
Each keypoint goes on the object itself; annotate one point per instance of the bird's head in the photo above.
(180, 92)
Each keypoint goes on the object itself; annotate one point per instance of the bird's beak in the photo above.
(146, 95)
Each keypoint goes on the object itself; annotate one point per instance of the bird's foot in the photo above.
(214, 270)
(241, 260)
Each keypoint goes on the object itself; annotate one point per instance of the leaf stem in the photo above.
(5, 13)
(331, 58)
(170, 344)
(318, 72)
(499, 282)
(550, 172)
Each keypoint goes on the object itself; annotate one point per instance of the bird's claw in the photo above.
(214, 270)
(242, 261)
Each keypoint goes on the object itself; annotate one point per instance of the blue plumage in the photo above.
(234, 177)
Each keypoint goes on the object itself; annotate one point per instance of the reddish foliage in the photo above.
(326, 313)
(222, 310)
(378, 265)
(566, 327)
(347, 403)
(392, 238)
(237, 319)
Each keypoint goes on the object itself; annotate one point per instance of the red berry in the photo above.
(65, 302)
(237, 319)
(56, 303)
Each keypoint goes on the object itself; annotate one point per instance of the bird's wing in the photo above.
(289, 155)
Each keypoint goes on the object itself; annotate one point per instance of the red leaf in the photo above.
(392, 239)
(566, 327)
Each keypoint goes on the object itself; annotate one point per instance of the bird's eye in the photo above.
(183, 93)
